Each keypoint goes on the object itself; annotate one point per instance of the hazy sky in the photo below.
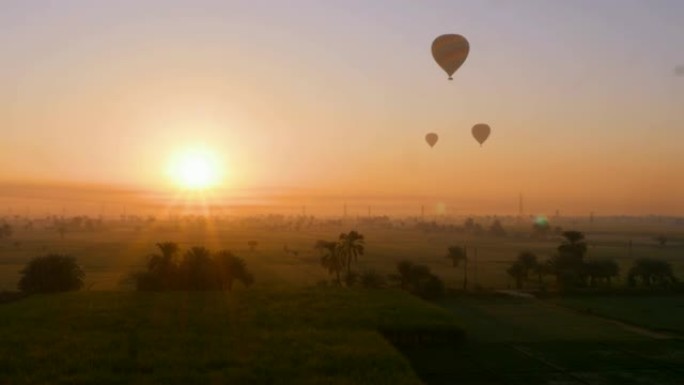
(335, 98)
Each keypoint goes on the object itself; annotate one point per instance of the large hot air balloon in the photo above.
(450, 51)
(481, 132)
(431, 139)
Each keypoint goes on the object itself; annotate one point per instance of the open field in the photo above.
(256, 336)
(664, 313)
(108, 255)
(519, 341)
(287, 330)
(321, 335)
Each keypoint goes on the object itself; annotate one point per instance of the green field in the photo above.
(289, 329)
(519, 341)
(256, 336)
(659, 313)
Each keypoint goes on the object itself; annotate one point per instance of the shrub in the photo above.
(50, 274)
(371, 279)
(351, 278)
(419, 280)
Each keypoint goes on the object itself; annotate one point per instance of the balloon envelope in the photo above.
(431, 139)
(450, 51)
(481, 132)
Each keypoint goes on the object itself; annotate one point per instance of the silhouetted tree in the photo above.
(331, 258)
(252, 245)
(568, 264)
(418, 280)
(525, 264)
(601, 270)
(351, 278)
(496, 229)
(197, 270)
(350, 247)
(231, 268)
(651, 271)
(371, 279)
(51, 273)
(457, 254)
(517, 271)
(162, 269)
(5, 230)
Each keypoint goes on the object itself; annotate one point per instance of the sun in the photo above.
(195, 170)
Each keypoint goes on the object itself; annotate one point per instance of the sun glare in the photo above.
(195, 170)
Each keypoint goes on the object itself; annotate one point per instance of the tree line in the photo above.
(572, 269)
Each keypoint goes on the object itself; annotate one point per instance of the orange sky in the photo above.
(334, 100)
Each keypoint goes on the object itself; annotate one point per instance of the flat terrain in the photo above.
(523, 341)
(247, 337)
(111, 253)
(659, 313)
(288, 329)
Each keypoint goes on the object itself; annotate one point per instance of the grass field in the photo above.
(662, 313)
(519, 341)
(286, 329)
(256, 336)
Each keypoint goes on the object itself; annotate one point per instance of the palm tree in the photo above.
(523, 266)
(231, 268)
(163, 267)
(457, 254)
(198, 269)
(518, 272)
(350, 247)
(331, 258)
(568, 264)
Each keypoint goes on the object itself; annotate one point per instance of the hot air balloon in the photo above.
(431, 139)
(450, 51)
(481, 132)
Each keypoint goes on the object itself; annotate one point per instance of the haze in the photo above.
(329, 102)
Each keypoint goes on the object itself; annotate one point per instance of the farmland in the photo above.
(293, 326)
(109, 254)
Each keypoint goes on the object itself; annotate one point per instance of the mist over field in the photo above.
(341, 192)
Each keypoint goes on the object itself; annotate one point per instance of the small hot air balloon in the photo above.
(450, 51)
(481, 132)
(431, 139)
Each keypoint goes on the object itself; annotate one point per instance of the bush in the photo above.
(50, 274)
(351, 278)
(419, 280)
(371, 279)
